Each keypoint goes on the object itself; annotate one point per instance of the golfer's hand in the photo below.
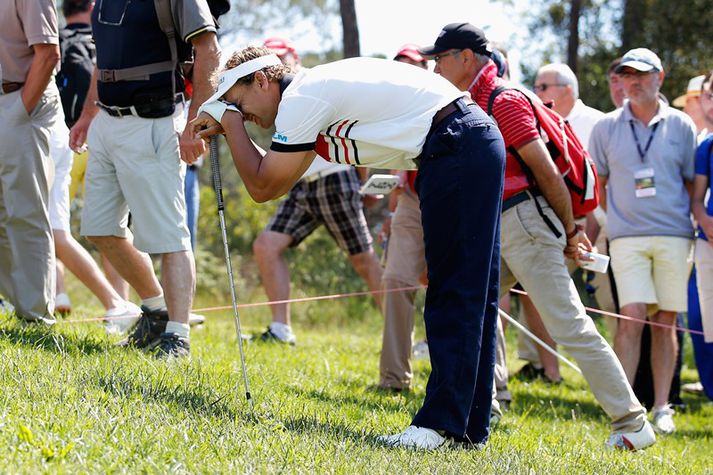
(78, 134)
(204, 126)
(192, 147)
(577, 245)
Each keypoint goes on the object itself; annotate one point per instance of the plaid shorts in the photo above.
(333, 201)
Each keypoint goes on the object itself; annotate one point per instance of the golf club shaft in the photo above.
(218, 187)
(544, 345)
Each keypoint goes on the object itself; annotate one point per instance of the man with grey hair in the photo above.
(644, 154)
(556, 82)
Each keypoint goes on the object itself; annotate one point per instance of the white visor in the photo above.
(228, 78)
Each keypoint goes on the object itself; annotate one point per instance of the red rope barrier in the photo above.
(372, 292)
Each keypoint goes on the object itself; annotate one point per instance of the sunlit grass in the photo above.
(71, 402)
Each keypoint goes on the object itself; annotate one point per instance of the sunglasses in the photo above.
(438, 57)
(112, 22)
(543, 87)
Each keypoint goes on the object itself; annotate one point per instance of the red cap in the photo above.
(280, 46)
(410, 51)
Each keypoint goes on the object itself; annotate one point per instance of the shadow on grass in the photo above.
(555, 406)
(322, 425)
(189, 399)
(368, 398)
(45, 338)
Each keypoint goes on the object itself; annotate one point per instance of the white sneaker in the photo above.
(62, 304)
(414, 438)
(195, 319)
(420, 351)
(696, 388)
(663, 419)
(6, 307)
(496, 413)
(120, 319)
(638, 440)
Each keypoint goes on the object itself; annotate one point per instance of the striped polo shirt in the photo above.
(361, 111)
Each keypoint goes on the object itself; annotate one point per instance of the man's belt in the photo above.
(515, 200)
(8, 87)
(149, 110)
(458, 104)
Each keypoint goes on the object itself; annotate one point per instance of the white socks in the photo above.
(180, 329)
(281, 331)
(155, 303)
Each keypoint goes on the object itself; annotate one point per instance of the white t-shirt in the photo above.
(582, 119)
(361, 111)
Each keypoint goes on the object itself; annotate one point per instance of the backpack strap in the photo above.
(491, 100)
(165, 21)
(528, 173)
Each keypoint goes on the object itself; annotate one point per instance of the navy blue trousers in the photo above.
(460, 185)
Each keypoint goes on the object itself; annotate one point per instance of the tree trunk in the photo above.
(575, 10)
(350, 27)
(632, 23)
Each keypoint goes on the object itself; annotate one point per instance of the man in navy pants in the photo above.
(461, 157)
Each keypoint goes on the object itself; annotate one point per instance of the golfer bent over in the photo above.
(383, 114)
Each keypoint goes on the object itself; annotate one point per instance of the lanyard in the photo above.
(642, 153)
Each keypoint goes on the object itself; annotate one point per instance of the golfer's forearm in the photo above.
(43, 64)
(246, 158)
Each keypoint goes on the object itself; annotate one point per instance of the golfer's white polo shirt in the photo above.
(361, 111)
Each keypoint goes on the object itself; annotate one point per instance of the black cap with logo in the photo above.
(458, 36)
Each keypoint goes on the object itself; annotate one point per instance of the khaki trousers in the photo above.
(404, 265)
(533, 256)
(27, 266)
(704, 268)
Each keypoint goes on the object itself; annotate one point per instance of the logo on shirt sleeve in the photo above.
(279, 137)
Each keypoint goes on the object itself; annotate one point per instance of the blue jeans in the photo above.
(193, 200)
(460, 185)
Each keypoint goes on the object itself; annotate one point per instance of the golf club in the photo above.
(218, 187)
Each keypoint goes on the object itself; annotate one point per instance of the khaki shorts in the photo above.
(135, 166)
(58, 206)
(652, 270)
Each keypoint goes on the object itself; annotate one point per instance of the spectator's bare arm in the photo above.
(603, 192)
(43, 63)
(207, 59)
(78, 134)
(552, 186)
(698, 208)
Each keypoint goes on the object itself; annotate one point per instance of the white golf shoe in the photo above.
(414, 438)
(638, 440)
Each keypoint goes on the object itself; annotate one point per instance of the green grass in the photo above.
(70, 402)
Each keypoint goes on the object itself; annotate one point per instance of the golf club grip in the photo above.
(215, 168)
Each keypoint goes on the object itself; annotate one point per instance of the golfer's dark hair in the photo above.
(72, 7)
(707, 85)
(273, 73)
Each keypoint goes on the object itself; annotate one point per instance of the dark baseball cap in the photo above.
(458, 36)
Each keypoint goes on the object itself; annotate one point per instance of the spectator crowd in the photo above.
(130, 131)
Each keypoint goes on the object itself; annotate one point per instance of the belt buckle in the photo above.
(107, 75)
